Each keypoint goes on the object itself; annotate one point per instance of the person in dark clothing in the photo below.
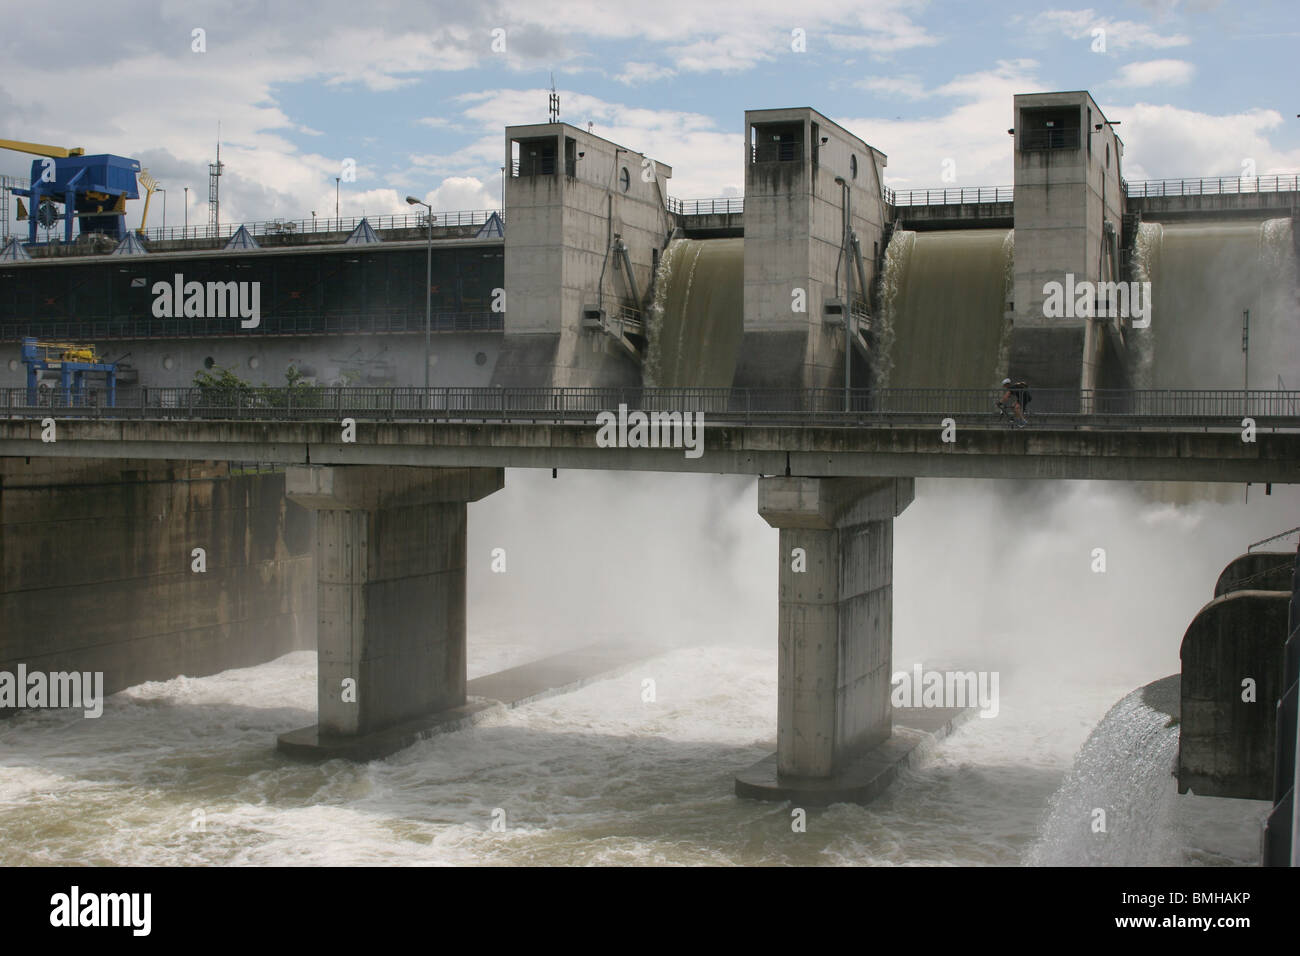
(1016, 397)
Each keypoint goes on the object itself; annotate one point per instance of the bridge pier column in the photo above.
(835, 634)
(390, 629)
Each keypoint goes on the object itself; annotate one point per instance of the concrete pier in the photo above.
(835, 634)
(147, 570)
(390, 566)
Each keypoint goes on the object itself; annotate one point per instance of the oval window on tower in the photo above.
(853, 166)
(624, 179)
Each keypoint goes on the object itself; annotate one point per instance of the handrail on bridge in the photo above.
(1212, 186)
(1273, 538)
(1050, 408)
(948, 196)
(319, 224)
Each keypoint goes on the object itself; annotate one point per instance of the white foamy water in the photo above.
(599, 776)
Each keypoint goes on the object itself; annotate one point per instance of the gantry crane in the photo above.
(93, 189)
(72, 362)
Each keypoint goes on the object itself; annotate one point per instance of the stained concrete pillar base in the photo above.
(860, 779)
(835, 639)
(390, 596)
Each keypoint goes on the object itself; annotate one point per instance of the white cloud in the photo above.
(972, 134)
(1167, 142)
(634, 73)
(1120, 34)
(909, 87)
(1155, 73)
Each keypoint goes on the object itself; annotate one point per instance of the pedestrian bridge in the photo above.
(387, 475)
(1133, 435)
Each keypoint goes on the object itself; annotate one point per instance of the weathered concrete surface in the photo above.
(835, 634)
(96, 568)
(1243, 205)
(552, 675)
(390, 569)
(559, 252)
(864, 778)
(1226, 744)
(794, 236)
(901, 451)
(1064, 199)
(1258, 571)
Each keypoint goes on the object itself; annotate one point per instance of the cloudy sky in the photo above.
(418, 93)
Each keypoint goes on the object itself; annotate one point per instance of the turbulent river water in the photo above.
(184, 772)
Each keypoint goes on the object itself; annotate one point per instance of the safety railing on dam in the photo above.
(281, 227)
(1048, 408)
(948, 197)
(706, 207)
(1212, 186)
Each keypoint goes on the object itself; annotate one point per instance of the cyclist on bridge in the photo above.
(1017, 396)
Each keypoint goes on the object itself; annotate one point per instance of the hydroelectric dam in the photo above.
(824, 333)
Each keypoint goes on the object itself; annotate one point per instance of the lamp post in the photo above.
(848, 284)
(164, 224)
(428, 289)
(187, 213)
(336, 202)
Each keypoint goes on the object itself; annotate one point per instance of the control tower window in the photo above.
(1049, 128)
(777, 143)
(536, 157)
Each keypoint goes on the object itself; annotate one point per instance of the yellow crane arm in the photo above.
(150, 184)
(40, 149)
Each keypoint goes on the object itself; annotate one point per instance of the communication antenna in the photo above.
(554, 101)
(214, 189)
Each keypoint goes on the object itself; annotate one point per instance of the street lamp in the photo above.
(848, 283)
(164, 192)
(428, 289)
(187, 213)
(336, 203)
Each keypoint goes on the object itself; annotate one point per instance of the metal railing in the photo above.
(790, 151)
(1212, 186)
(948, 196)
(706, 207)
(1056, 138)
(1276, 537)
(319, 224)
(410, 320)
(1048, 409)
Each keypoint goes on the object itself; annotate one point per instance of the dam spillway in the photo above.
(1203, 277)
(698, 315)
(943, 306)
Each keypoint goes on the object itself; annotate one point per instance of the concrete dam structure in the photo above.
(824, 333)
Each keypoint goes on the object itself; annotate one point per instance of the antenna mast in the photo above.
(554, 101)
(214, 190)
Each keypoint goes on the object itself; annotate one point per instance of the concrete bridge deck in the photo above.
(1194, 435)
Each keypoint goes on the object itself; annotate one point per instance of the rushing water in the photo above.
(697, 318)
(1203, 277)
(602, 775)
(943, 308)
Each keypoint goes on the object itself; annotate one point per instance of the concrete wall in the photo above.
(458, 359)
(559, 255)
(835, 632)
(1063, 199)
(793, 237)
(1226, 745)
(390, 577)
(95, 569)
(1257, 571)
